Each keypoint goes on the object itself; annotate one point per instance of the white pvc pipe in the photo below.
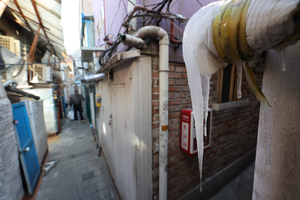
(161, 35)
(163, 115)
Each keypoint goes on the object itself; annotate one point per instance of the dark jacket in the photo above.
(76, 100)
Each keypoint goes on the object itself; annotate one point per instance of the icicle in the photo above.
(205, 91)
(284, 61)
(198, 104)
(239, 68)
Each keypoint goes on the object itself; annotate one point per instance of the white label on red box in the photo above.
(185, 133)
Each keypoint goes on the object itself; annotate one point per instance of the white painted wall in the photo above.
(125, 127)
(38, 128)
(10, 176)
(46, 94)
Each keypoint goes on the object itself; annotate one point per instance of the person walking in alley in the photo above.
(75, 100)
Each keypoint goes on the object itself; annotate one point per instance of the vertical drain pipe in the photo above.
(163, 116)
(132, 41)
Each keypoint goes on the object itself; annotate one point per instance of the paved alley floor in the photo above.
(239, 188)
(80, 173)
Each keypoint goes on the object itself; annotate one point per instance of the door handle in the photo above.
(26, 149)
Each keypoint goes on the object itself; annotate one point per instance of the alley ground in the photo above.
(239, 188)
(80, 173)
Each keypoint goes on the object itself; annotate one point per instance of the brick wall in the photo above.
(234, 132)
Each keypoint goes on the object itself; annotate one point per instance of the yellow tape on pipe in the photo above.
(229, 35)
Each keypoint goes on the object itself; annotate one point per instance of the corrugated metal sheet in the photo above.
(50, 13)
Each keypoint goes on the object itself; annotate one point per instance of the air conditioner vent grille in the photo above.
(5, 42)
(39, 69)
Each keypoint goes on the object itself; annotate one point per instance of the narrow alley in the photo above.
(80, 173)
(189, 100)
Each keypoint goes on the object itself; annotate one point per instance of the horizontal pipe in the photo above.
(21, 92)
(77, 77)
(132, 41)
(93, 78)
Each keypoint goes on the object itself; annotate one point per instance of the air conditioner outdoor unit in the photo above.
(9, 43)
(17, 47)
(40, 74)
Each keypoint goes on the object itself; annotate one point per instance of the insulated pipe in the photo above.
(21, 92)
(93, 78)
(268, 24)
(77, 77)
(132, 41)
(161, 35)
(10, 81)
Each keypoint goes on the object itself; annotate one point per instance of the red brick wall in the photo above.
(234, 132)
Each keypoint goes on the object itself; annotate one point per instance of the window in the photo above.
(227, 85)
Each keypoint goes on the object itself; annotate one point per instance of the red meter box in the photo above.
(188, 141)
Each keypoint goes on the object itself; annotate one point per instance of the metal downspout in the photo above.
(93, 78)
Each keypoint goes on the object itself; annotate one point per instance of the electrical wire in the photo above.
(158, 7)
(108, 53)
(199, 3)
(131, 2)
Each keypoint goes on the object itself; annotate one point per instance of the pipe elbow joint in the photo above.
(164, 41)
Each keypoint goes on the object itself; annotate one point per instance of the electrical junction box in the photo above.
(188, 141)
(98, 100)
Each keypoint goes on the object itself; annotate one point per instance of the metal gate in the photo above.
(28, 156)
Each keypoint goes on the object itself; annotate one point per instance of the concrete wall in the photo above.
(10, 176)
(38, 128)
(234, 134)
(124, 124)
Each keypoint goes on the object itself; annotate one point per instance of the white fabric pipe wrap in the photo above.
(132, 41)
(268, 23)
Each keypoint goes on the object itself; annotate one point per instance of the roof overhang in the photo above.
(44, 14)
(87, 52)
(118, 58)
